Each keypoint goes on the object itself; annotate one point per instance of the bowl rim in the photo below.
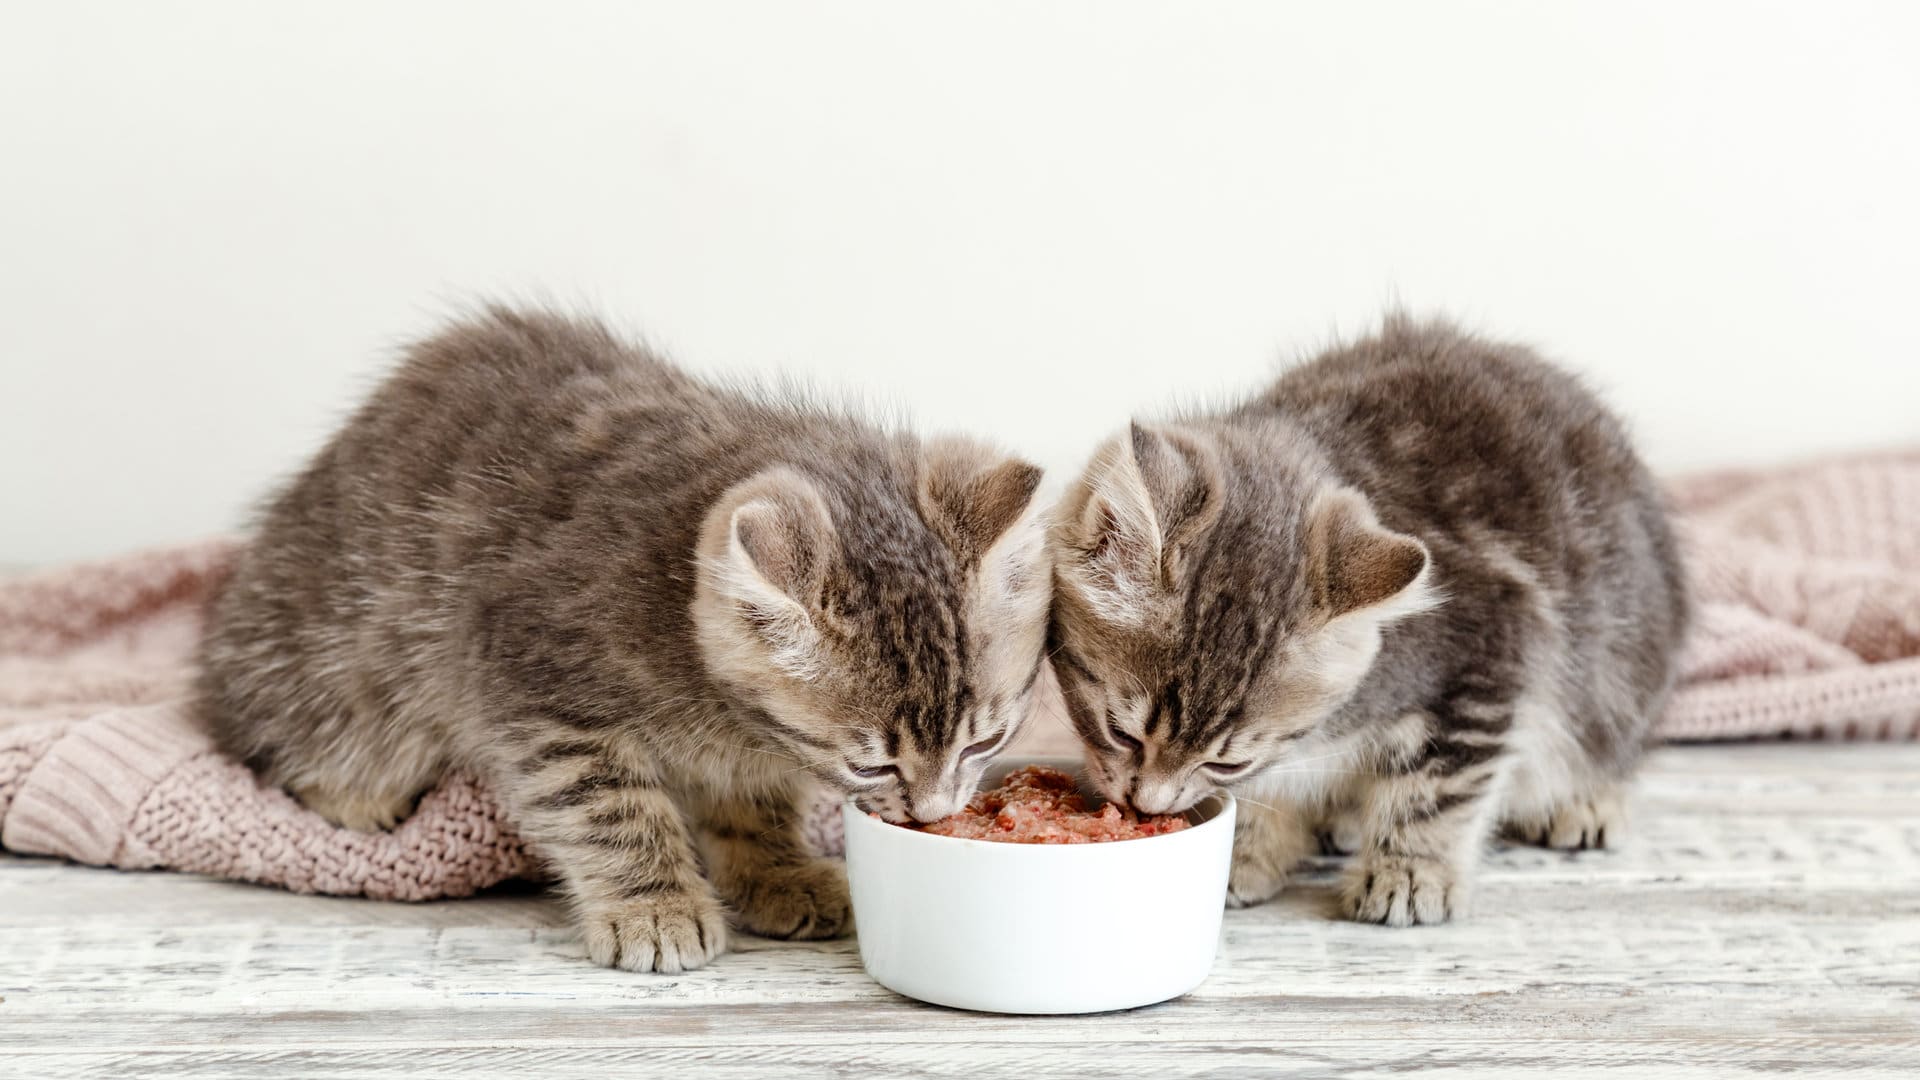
(1222, 799)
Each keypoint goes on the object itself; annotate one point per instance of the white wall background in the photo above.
(1026, 219)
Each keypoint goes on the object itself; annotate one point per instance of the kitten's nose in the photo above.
(932, 806)
(1157, 797)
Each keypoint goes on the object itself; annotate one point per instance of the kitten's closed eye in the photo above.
(1122, 739)
(873, 772)
(1226, 770)
(981, 747)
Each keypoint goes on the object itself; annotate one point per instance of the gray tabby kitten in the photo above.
(650, 610)
(1420, 588)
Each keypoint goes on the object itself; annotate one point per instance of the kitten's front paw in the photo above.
(1405, 890)
(670, 931)
(1340, 834)
(798, 901)
(1257, 877)
(1595, 823)
(1267, 845)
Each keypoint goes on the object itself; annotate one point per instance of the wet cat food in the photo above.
(1038, 805)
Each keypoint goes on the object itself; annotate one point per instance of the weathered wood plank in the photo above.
(1517, 1055)
(1603, 934)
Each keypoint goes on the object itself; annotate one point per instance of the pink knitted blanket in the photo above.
(1807, 578)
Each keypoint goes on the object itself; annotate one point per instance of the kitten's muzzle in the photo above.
(907, 801)
(927, 809)
(1161, 796)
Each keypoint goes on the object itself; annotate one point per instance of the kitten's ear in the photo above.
(1180, 474)
(772, 545)
(1357, 563)
(972, 495)
(781, 538)
(1149, 495)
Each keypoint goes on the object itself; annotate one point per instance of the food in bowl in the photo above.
(1040, 805)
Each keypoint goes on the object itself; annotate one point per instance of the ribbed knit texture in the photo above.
(89, 782)
(1807, 581)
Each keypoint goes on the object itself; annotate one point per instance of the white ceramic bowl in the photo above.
(1040, 928)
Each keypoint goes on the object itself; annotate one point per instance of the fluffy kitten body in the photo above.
(1420, 588)
(652, 611)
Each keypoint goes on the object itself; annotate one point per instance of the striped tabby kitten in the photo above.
(1421, 587)
(648, 609)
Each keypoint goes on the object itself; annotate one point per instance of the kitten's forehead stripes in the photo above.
(917, 632)
(1167, 709)
(940, 695)
(1226, 635)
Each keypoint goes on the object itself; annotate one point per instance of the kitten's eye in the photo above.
(1122, 739)
(873, 772)
(979, 748)
(1223, 770)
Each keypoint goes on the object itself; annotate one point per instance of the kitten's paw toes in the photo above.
(670, 931)
(354, 810)
(1584, 824)
(801, 901)
(1588, 824)
(1402, 890)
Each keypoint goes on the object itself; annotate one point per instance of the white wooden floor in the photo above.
(1765, 918)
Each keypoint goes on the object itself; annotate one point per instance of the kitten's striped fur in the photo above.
(651, 610)
(1419, 588)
